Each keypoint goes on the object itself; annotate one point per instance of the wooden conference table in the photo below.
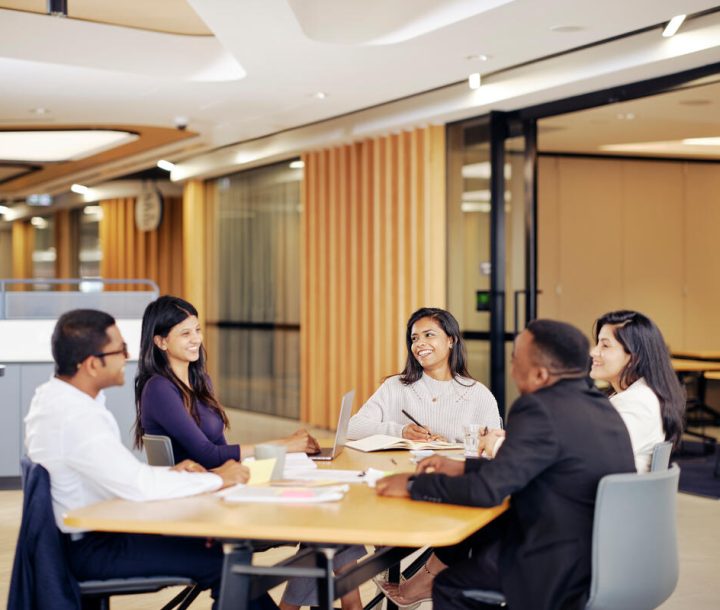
(396, 527)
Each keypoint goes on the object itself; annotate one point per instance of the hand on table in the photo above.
(188, 466)
(301, 441)
(488, 440)
(232, 473)
(439, 464)
(394, 486)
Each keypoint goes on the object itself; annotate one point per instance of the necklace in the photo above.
(444, 388)
(437, 389)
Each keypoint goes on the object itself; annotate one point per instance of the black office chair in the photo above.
(40, 568)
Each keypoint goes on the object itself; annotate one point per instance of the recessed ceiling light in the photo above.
(297, 164)
(39, 110)
(166, 165)
(702, 141)
(566, 29)
(695, 102)
(626, 116)
(478, 57)
(59, 145)
(673, 26)
(319, 95)
(80, 189)
(474, 80)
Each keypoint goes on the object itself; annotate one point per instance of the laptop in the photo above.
(330, 453)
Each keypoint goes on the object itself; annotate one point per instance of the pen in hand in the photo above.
(428, 434)
(413, 420)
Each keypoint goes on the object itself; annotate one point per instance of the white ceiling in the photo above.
(259, 73)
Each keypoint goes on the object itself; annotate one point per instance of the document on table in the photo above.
(285, 495)
(383, 442)
(260, 470)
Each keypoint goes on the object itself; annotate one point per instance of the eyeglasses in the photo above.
(123, 351)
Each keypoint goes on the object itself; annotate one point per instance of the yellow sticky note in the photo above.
(260, 470)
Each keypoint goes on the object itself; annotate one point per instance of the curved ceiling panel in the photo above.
(377, 22)
(104, 47)
(169, 16)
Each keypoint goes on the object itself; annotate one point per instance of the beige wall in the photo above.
(631, 234)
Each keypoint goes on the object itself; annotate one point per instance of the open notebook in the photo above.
(382, 442)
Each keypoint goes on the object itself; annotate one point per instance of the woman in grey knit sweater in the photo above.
(435, 387)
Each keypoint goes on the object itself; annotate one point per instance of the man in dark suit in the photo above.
(563, 436)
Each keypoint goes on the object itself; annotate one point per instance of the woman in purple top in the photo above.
(174, 395)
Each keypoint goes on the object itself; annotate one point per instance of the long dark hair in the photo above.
(650, 359)
(458, 357)
(160, 317)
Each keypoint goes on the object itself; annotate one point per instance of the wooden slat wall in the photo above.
(374, 248)
(129, 253)
(194, 247)
(67, 244)
(23, 240)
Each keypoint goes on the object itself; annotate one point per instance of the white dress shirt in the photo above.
(441, 406)
(640, 409)
(77, 440)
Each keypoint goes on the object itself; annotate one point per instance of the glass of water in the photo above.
(471, 439)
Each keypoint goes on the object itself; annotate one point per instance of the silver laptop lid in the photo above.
(328, 453)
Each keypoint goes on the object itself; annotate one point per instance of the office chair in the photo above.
(661, 456)
(634, 545)
(40, 569)
(158, 450)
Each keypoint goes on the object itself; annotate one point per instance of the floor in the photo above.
(698, 526)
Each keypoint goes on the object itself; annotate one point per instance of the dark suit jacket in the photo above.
(561, 440)
(41, 578)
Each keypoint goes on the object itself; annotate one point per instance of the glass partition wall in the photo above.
(257, 330)
(491, 245)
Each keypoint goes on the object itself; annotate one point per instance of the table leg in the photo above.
(326, 583)
(235, 588)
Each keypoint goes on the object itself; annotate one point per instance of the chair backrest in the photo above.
(661, 456)
(634, 551)
(158, 450)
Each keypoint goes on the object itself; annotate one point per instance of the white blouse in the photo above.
(443, 407)
(640, 409)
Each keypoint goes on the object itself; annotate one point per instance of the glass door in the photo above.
(491, 256)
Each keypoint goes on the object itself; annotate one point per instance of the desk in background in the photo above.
(396, 526)
(699, 414)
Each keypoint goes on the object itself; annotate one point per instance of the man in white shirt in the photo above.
(76, 439)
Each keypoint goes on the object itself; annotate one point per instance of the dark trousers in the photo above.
(472, 564)
(102, 556)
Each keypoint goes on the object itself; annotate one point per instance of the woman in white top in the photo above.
(434, 388)
(630, 354)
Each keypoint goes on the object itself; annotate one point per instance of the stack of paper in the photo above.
(297, 464)
(286, 495)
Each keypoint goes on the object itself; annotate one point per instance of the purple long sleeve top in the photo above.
(163, 412)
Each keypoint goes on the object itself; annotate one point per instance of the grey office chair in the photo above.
(661, 456)
(158, 450)
(634, 546)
